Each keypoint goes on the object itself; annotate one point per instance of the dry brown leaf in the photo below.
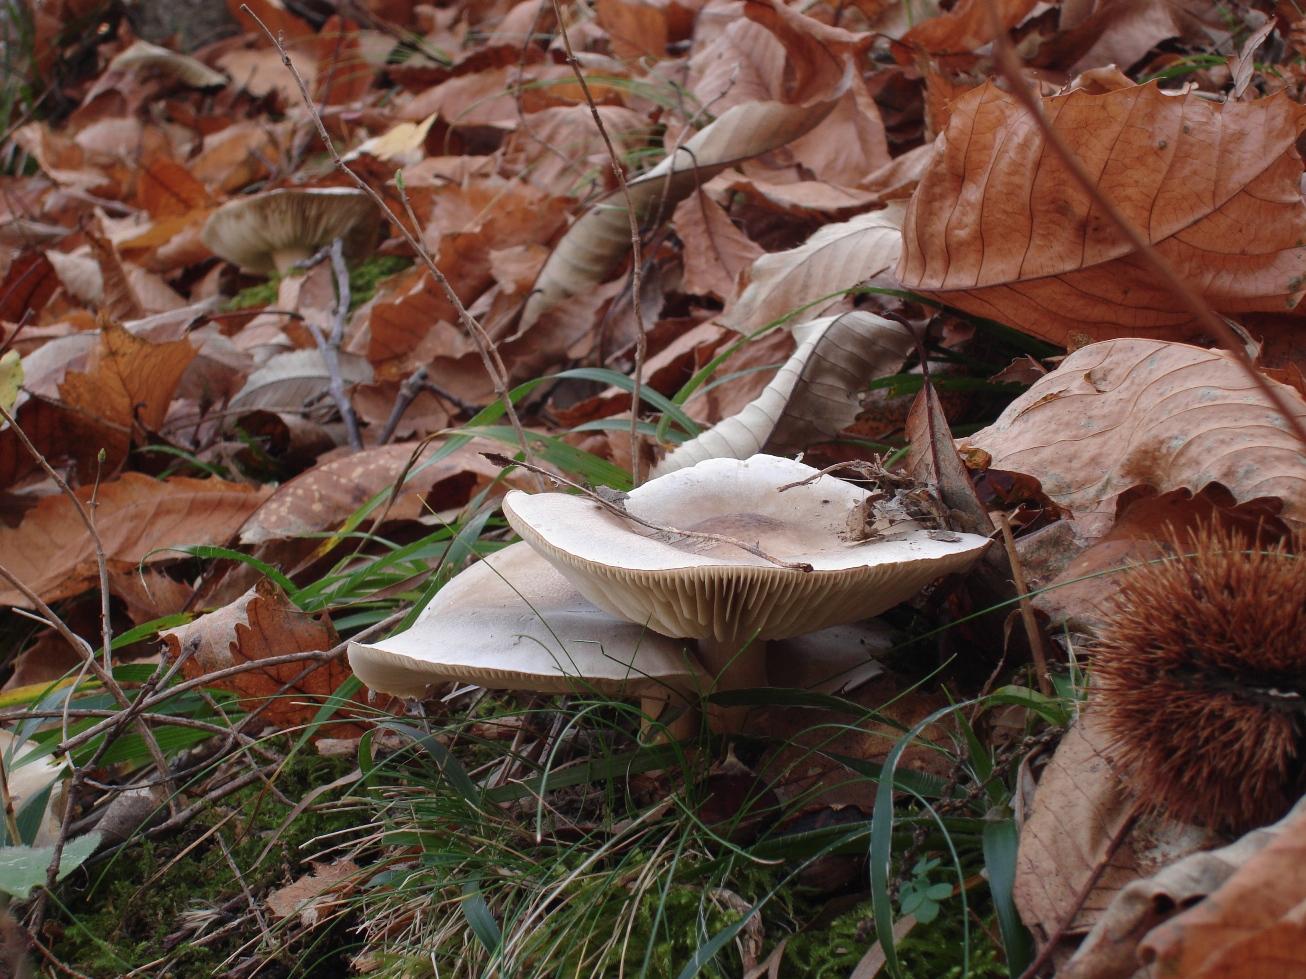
(1253, 927)
(966, 27)
(837, 257)
(999, 228)
(328, 884)
(1169, 416)
(715, 250)
(322, 498)
(1079, 808)
(52, 554)
(127, 387)
(1262, 872)
(261, 624)
(1121, 32)
(813, 395)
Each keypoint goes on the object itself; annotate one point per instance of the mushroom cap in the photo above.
(684, 586)
(511, 622)
(185, 69)
(250, 230)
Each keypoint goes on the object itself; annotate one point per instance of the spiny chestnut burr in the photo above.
(1200, 681)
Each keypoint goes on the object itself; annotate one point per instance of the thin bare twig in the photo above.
(489, 353)
(1032, 631)
(1009, 66)
(329, 347)
(502, 460)
(641, 340)
(408, 390)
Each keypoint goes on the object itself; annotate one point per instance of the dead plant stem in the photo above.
(329, 347)
(1032, 631)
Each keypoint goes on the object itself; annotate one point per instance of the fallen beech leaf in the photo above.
(289, 381)
(135, 516)
(27, 287)
(715, 250)
(1168, 416)
(401, 144)
(325, 496)
(599, 241)
(127, 386)
(260, 624)
(1120, 32)
(1246, 929)
(328, 884)
(813, 395)
(1249, 882)
(932, 459)
(1213, 186)
(966, 27)
(1079, 807)
(835, 258)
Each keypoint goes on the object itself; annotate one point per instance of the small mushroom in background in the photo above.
(272, 231)
(144, 56)
(730, 600)
(511, 622)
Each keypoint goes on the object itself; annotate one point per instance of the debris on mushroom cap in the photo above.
(183, 68)
(685, 586)
(251, 231)
(511, 622)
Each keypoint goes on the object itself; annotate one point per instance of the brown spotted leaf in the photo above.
(135, 516)
(1166, 416)
(999, 228)
(261, 624)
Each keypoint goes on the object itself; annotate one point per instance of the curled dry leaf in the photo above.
(1238, 898)
(1132, 412)
(813, 395)
(598, 242)
(291, 380)
(1079, 810)
(310, 894)
(135, 516)
(715, 250)
(260, 624)
(999, 228)
(835, 258)
(326, 495)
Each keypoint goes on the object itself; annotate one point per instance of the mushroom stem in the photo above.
(734, 665)
(659, 707)
(283, 258)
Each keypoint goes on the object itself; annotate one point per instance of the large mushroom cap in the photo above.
(511, 622)
(253, 231)
(685, 586)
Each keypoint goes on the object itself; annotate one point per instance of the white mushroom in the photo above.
(276, 229)
(720, 594)
(185, 69)
(511, 622)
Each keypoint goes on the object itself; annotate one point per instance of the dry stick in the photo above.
(1009, 66)
(490, 358)
(1032, 631)
(641, 341)
(408, 391)
(330, 346)
(502, 460)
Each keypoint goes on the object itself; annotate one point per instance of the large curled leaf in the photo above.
(998, 226)
(835, 258)
(289, 380)
(813, 394)
(24, 868)
(597, 243)
(1134, 412)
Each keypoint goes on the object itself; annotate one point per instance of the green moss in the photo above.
(365, 277)
(933, 951)
(263, 294)
(118, 916)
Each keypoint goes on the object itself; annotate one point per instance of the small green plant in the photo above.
(921, 896)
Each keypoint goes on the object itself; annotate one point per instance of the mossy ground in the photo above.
(363, 281)
(119, 913)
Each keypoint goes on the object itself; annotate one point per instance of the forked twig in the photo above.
(503, 460)
(329, 347)
(1007, 64)
(489, 353)
(636, 285)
